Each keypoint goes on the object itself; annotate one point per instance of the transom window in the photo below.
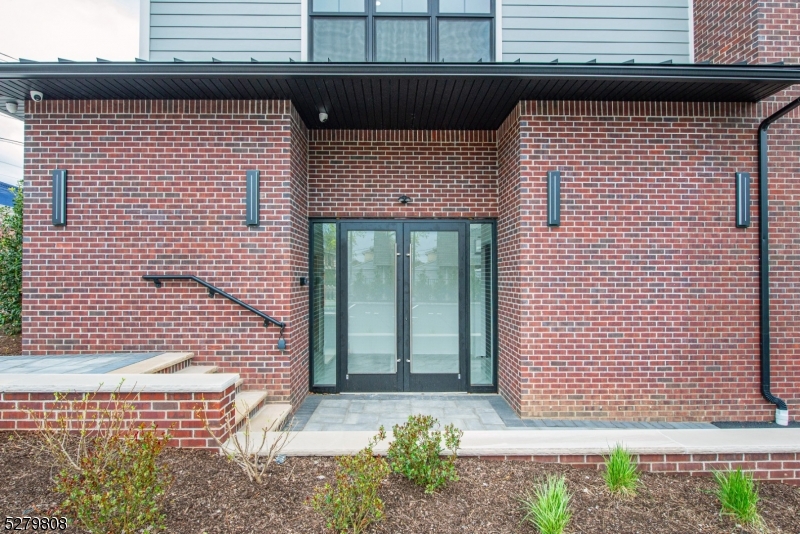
(453, 31)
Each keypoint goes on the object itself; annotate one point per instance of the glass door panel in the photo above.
(434, 302)
(372, 305)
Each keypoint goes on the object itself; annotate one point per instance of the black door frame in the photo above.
(464, 298)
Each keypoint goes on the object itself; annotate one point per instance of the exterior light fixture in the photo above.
(404, 199)
(281, 342)
(59, 198)
(11, 107)
(553, 198)
(252, 216)
(742, 200)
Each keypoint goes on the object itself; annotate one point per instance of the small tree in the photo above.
(11, 265)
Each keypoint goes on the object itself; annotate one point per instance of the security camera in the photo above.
(37, 96)
(323, 117)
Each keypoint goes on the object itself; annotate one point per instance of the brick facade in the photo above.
(158, 187)
(361, 173)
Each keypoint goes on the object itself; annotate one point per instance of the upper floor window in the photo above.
(453, 31)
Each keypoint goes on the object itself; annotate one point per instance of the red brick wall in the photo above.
(782, 467)
(725, 31)
(181, 414)
(748, 30)
(299, 260)
(361, 173)
(511, 254)
(158, 187)
(643, 304)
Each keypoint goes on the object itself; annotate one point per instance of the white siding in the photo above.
(610, 31)
(229, 30)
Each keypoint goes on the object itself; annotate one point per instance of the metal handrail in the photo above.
(212, 291)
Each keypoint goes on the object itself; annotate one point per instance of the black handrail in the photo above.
(157, 278)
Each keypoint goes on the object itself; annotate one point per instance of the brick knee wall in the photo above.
(778, 467)
(180, 414)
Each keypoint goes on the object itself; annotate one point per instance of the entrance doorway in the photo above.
(402, 306)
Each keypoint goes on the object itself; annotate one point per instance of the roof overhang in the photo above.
(396, 96)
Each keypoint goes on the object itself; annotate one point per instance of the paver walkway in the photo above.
(73, 364)
(367, 412)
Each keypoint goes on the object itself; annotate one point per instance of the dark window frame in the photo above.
(370, 14)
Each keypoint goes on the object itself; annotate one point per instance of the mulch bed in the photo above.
(210, 495)
(10, 345)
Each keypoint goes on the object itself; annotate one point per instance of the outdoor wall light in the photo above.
(553, 198)
(59, 198)
(11, 107)
(742, 199)
(281, 342)
(404, 199)
(252, 216)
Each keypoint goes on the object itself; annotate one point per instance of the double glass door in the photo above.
(397, 315)
(403, 294)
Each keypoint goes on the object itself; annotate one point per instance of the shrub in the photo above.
(416, 452)
(621, 475)
(11, 265)
(254, 456)
(107, 467)
(738, 496)
(547, 506)
(119, 485)
(352, 504)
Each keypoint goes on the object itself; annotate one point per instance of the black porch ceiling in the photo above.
(396, 96)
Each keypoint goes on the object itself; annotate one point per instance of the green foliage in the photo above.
(107, 468)
(547, 506)
(416, 452)
(738, 496)
(11, 265)
(352, 504)
(621, 475)
(119, 486)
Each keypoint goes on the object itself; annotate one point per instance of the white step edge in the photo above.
(247, 402)
(155, 364)
(270, 417)
(198, 370)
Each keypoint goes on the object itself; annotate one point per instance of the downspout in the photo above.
(781, 410)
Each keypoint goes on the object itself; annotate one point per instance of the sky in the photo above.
(44, 30)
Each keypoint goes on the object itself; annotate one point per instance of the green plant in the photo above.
(352, 503)
(738, 495)
(547, 506)
(621, 475)
(119, 485)
(416, 452)
(107, 468)
(11, 265)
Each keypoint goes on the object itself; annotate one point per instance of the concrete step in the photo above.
(270, 418)
(167, 362)
(247, 403)
(198, 370)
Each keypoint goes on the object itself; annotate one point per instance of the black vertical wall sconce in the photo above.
(553, 198)
(742, 199)
(252, 217)
(59, 198)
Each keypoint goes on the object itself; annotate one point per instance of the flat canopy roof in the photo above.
(430, 96)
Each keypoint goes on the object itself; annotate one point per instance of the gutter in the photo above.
(781, 410)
